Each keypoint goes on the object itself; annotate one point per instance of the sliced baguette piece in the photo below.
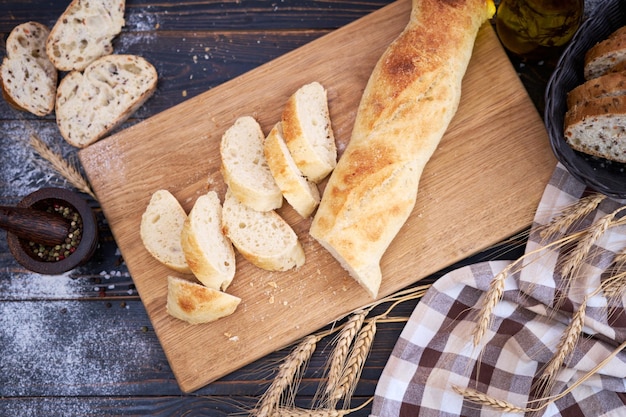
(28, 78)
(262, 237)
(161, 226)
(308, 131)
(91, 104)
(611, 84)
(300, 193)
(83, 33)
(195, 303)
(209, 254)
(244, 166)
(596, 127)
(606, 56)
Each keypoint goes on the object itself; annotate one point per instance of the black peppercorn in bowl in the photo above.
(602, 175)
(78, 247)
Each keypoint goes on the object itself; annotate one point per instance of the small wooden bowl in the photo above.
(89, 241)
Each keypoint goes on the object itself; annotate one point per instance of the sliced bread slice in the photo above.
(606, 56)
(611, 84)
(209, 254)
(91, 104)
(195, 303)
(161, 226)
(83, 33)
(596, 127)
(262, 237)
(300, 193)
(308, 131)
(28, 78)
(244, 166)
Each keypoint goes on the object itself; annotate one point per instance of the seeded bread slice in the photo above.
(28, 78)
(611, 84)
(209, 254)
(262, 237)
(195, 303)
(308, 132)
(160, 230)
(91, 104)
(300, 193)
(244, 166)
(606, 56)
(596, 127)
(83, 33)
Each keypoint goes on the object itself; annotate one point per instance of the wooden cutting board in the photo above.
(481, 186)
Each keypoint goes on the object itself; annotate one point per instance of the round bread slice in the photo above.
(308, 132)
(244, 167)
(300, 193)
(28, 78)
(607, 55)
(263, 237)
(611, 84)
(161, 226)
(84, 33)
(596, 127)
(209, 254)
(195, 303)
(91, 104)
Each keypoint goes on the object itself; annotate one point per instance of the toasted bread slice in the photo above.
(28, 78)
(244, 167)
(195, 303)
(262, 237)
(308, 132)
(161, 226)
(300, 193)
(84, 32)
(209, 254)
(91, 104)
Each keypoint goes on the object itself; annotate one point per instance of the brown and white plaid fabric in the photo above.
(435, 351)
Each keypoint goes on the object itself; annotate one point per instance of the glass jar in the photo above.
(536, 28)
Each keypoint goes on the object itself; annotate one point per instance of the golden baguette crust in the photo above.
(409, 100)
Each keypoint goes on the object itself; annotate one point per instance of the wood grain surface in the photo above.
(482, 185)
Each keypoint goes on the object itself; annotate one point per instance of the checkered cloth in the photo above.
(435, 351)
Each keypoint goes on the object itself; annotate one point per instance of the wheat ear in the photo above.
(63, 167)
(354, 363)
(571, 214)
(287, 377)
(489, 302)
(479, 398)
(342, 347)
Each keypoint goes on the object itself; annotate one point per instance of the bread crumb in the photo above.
(271, 300)
(233, 339)
(272, 284)
(184, 93)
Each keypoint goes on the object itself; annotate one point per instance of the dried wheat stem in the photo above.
(354, 363)
(286, 379)
(63, 167)
(318, 412)
(571, 214)
(340, 352)
(478, 397)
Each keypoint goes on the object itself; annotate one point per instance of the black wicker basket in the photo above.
(602, 175)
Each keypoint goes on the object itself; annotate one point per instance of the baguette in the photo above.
(28, 78)
(83, 33)
(308, 132)
(409, 100)
(300, 193)
(244, 167)
(195, 303)
(262, 237)
(160, 229)
(91, 104)
(209, 254)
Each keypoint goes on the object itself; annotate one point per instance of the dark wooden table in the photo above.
(81, 343)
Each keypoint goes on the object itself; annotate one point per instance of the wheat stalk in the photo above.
(571, 214)
(63, 167)
(340, 353)
(288, 373)
(354, 363)
(489, 302)
(484, 399)
(318, 412)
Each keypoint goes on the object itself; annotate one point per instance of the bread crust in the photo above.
(611, 84)
(606, 56)
(409, 100)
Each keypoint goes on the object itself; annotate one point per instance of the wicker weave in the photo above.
(600, 174)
